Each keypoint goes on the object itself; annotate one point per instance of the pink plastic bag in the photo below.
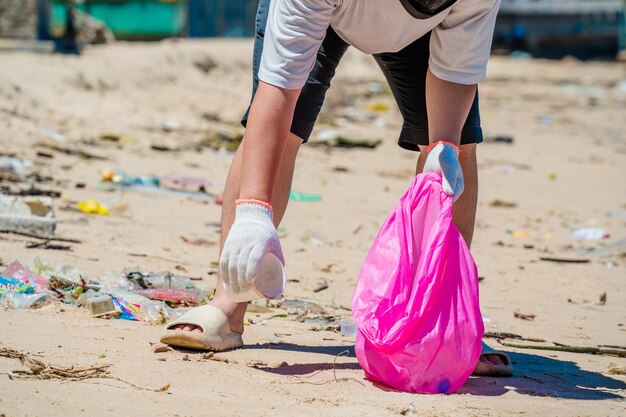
(416, 301)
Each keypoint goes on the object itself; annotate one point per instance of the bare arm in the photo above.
(268, 127)
(448, 105)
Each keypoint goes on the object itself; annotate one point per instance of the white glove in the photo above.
(252, 236)
(443, 159)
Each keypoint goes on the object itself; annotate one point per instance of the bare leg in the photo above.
(280, 198)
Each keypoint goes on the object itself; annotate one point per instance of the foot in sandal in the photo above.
(217, 326)
(493, 363)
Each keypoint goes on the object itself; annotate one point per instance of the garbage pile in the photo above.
(129, 295)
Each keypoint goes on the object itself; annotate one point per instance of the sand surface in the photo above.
(565, 169)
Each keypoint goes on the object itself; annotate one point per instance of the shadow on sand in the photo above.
(534, 375)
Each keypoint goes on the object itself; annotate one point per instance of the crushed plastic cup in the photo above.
(269, 282)
(348, 327)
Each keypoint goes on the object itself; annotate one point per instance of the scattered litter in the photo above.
(52, 134)
(524, 316)
(323, 285)
(222, 140)
(347, 327)
(99, 305)
(47, 244)
(93, 207)
(22, 301)
(499, 139)
(546, 120)
(46, 270)
(182, 186)
(164, 147)
(602, 299)
(14, 285)
(117, 138)
(310, 238)
(552, 176)
(617, 370)
(331, 139)
(274, 341)
(565, 260)
(377, 106)
(18, 271)
(175, 296)
(302, 305)
(502, 203)
(335, 268)
(169, 125)
(32, 216)
(70, 151)
(198, 242)
(521, 234)
(15, 165)
(297, 196)
(503, 335)
(589, 233)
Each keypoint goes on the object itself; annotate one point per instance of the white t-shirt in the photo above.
(459, 45)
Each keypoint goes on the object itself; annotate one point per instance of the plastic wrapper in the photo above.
(162, 279)
(137, 307)
(14, 285)
(22, 301)
(416, 300)
(174, 295)
(111, 281)
(46, 270)
(19, 271)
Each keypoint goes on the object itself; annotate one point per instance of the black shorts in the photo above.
(404, 70)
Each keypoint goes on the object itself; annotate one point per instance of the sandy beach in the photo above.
(554, 162)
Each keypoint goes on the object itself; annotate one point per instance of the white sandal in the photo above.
(216, 334)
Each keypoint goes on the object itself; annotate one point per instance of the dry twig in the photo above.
(41, 370)
(572, 349)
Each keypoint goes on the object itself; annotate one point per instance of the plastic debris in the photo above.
(47, 270)
(33, 216)
(93, 207)
(172, 295)
(15, 165)
(302, 305)
(348, 327)
(15, 286)
(137, 307)
(185, 186)
(21, 301)
(589, 233)
(297, 196)
(100, 305)
(134, 295)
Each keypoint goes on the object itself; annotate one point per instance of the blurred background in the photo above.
(585, 29)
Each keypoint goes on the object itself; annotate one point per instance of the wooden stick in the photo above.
(572, 349)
